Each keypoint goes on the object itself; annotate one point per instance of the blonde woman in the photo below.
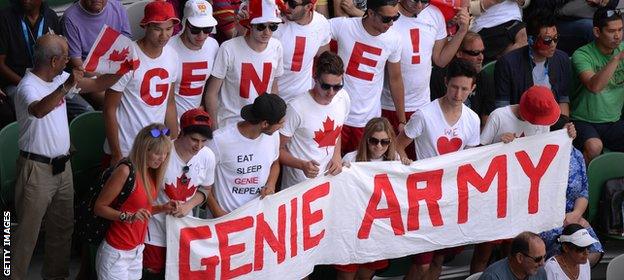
(121, 252)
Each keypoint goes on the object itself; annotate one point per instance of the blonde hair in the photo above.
(372, 126)
(144, 143)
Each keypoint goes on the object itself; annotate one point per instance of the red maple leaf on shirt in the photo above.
(127, 65)
(327, 136)
(119, 55)
(181, 190)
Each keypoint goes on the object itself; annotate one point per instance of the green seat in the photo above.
(488, 69)
(9, 136)
(87, 137)
(600, 169)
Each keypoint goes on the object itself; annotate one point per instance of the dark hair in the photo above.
(520, 243)
(461, 68)
(538, 19)
(601, 18)
(376, 4)
(329, 63)
(563, 119)
(571, 229)
(202, 130)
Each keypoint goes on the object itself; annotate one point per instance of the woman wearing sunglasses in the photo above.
(572, 262)
(120, 256)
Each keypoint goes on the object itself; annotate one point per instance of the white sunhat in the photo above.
(580, 238)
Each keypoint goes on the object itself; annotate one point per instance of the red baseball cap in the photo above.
(158, 11)
(195, 117)
(538, 106)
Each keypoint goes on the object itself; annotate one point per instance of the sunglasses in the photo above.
(195, 30)
(388, 19)
(292, 4)
(611, 13)
(473, 53)
(548, 40)
(155, 132)
(325, 86)
(421, 1)
(185, 170)
(537, 259)
(579, 249)
(262, 27)
(374, 141)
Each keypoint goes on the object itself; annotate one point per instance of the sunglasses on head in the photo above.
(325, 86)
(611, 13)
(155, 132)
(195, 30)
(548, 40)
(472, 52)
(293, 4)
(374, 141)
(537, 259)
(388, 19)
(262, 27)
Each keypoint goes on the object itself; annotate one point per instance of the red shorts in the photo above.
(371, 265)
(394, 121)
(154, 258)
(427, 257)
(350, 138)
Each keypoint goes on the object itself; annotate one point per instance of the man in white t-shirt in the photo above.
(443, 126)
(310, 138)
(367, 46)
(188, 177)
(247, 155)
(196, 51)
(246, 66)
(44, 184)
(304, 36)
(145, 95)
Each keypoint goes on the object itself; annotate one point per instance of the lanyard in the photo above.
(27, 35)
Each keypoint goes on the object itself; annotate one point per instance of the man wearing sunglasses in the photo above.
(368, 46)
(597, 104)
(246, 66)
(526, 260)
(538, 63)
(304, 36)
(196, 51)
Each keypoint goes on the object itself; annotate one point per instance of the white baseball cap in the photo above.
(199, 13)
(580, 238)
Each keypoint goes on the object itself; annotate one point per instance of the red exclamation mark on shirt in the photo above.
(297, 60)
(415, 36)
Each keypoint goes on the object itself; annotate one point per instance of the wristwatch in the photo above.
(123, 216)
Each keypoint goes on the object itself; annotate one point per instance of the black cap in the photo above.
(267, 107)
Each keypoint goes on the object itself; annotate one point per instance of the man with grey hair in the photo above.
(44, 178)
(526, 260)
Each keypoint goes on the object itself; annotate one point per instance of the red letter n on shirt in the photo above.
(250, 76)
(357, 58)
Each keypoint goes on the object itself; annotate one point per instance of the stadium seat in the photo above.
(8, 162)
(87, 137)
(600, 169)
(135, 15)
(615, 268)
(488, 69)
(474, 276)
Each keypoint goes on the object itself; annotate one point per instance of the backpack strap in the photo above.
(128, 186)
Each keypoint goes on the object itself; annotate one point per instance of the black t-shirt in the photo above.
(482, 102)
(12, 38)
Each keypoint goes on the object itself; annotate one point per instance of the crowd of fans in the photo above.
(255, 97)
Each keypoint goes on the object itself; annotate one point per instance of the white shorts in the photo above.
(113, 264)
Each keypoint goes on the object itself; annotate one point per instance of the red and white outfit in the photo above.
(365, 58)
(503, 120)
(434, 136)
(243, 165)
(245, 73)
(313, 130)
(497, 14)
(195, 68)
(120, 256)
(300, 45)
(144, 94)
(177, 186)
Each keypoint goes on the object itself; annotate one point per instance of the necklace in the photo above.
(569, 271)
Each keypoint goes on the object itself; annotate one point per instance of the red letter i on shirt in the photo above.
(297, 59)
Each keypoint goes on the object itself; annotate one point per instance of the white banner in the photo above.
(382, 210)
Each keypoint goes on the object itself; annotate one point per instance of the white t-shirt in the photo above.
(364, 58)
(144, 94)
(540, 74)
(195, 68)
(497, 14)
(433, 136)
(180, 186)
(503, 120)
(245, 73)
(313, 130)
(554, 271)
(47, 136)
(243, 165)
(420, 33)
(300, 43)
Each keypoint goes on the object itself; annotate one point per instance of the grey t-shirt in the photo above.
(500, 271)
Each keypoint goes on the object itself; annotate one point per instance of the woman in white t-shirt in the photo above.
(571, 263)
(377, 144)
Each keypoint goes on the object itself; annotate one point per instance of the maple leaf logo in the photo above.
(182, 192)
(328, 135)
(128, 65)
(119, 55)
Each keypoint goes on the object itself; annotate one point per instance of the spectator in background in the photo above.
(349, 8)
(571, 262)
(526, 260)
(538, 63)
(597, 102)
(225, 11)
(82, 23)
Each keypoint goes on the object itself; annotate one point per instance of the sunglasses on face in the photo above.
(155, 132)
(537, 259)
(425, 2)
(388, 19)
(374, 141)
(292, 4)
(262, 27)
(579, 249)
(195, 30)
(548, 40)
(473, 52)
(325, 86)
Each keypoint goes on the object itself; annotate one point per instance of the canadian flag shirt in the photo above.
(245, 73)
(144, 94)
(243, 165)
(180, 186)
(195, 68)
(433, 136)
(364, 58)
(313, 130)
(503, 120)
(300, 44)
(421, 33)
